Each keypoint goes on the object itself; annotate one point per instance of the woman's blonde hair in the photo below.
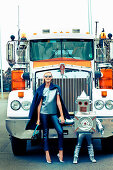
(45, 74)
(48, 72)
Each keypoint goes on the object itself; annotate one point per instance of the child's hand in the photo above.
(102, 131)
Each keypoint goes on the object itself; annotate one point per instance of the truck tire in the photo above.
(18, 146)
(107, 145)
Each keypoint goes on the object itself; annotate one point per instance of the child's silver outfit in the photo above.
(83, 109)
(88, 137)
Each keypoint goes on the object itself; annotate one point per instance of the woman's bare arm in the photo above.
(60, 109)
(38, 112)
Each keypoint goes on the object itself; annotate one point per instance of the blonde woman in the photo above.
(48, 105)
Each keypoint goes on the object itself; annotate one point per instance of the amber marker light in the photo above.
(34, 33)
(21, 94)
(103, 93)
(103, 35)
(23, 36)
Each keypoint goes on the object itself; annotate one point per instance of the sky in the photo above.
(56, 15)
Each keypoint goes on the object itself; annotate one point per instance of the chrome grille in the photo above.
(71, 88)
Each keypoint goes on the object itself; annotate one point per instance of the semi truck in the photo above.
(78, 62)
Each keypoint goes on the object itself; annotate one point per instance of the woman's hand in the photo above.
(62, 119)
(38, 122)
(60, 110)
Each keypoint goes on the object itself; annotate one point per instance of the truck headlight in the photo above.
(15, 105)
(26, 105)
(99, 104)
(109, 104)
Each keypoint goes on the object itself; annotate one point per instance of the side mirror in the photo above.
(26, 76)
(9, 52)
(97, 74)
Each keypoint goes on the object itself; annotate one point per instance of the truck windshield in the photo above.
(57, 48)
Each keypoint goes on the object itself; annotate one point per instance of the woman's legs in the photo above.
(44, 120)
(60, 135)
(48, 159)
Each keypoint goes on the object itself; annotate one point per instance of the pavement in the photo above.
(35, 158)
(5, 95)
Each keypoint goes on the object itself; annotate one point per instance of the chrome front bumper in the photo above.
(16, 128)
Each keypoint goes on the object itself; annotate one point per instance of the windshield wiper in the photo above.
(53, 54)
(68, 53)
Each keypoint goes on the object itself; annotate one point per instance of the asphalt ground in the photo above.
(35, 159)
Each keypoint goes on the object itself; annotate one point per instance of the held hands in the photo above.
(61, 119)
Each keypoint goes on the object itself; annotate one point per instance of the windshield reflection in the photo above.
(49, 49)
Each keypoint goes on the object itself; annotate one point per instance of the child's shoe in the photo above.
(75, 160)
(92, 159)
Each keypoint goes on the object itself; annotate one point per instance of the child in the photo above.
(85, 124)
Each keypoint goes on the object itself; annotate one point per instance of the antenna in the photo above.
(2, 95)
(96, 29)
(89, 17)
(18, 25)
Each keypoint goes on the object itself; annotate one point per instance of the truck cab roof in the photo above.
(61, 36)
